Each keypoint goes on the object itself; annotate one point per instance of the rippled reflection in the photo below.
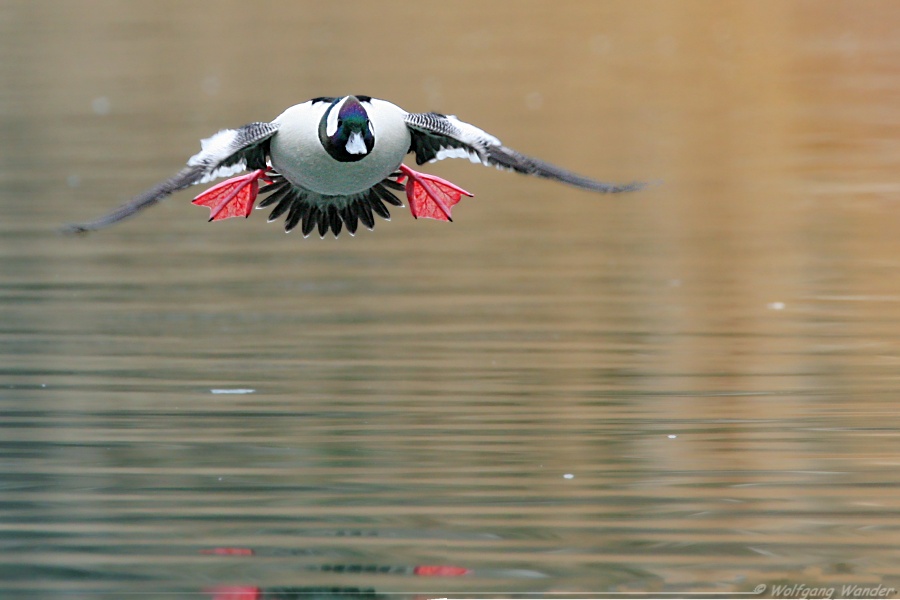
(688, 389)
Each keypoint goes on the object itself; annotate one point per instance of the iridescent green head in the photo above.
(345, 130)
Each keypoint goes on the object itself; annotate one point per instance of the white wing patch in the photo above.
(445, 152)
(470, 133)
(237, 167)
(215, 147)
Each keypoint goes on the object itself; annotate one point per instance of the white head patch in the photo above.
(356, 144)
(331, 125)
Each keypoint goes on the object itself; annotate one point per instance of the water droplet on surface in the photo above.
(101, 105)
(534, 100)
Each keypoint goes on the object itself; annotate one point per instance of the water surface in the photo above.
(688, 389)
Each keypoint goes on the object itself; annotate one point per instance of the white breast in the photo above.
(298, 154)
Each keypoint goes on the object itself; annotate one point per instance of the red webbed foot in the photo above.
(233, 197)
(429, 196)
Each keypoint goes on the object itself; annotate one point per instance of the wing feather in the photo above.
(436, 136)
(225, 153)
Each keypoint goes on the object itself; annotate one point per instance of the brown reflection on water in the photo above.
(714, 360)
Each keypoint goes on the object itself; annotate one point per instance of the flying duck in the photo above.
(331, 163)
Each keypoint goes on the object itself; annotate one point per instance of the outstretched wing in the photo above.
(436, 136)
(227, 152)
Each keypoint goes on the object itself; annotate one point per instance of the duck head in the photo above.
(345, 130)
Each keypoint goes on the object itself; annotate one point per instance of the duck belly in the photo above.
(298, 155)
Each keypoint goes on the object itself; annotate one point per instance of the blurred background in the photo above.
(691, 388)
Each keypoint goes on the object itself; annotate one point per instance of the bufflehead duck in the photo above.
(330, 163)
